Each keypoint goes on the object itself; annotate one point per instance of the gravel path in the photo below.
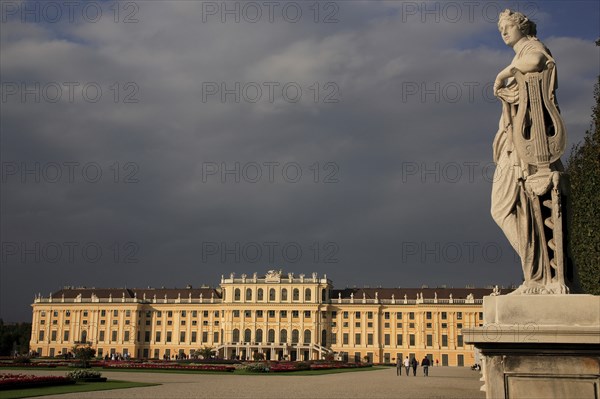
(442, 383)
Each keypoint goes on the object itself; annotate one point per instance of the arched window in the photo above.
(259, 337)
(306, 337)
(296, 294)
(324, 338)
(283, 336)
(236, 295)
(307, 295)
(224, 294)
(247, 335)
(84, 336)
(295, 334)
(284, 294)
(248, 294)
(271, 336)
(259, 295)
(236, 335)
(272, 294)
(323, 295)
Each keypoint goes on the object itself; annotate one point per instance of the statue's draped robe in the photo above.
(511, 208)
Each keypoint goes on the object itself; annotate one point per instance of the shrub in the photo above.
(303, 366)
(22, 359)
(81, 374)
(257, 367)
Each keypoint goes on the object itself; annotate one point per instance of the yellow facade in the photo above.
(282, 317)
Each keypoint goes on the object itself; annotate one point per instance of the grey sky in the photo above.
(391, 131)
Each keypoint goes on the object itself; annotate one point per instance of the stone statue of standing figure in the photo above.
(529, 188)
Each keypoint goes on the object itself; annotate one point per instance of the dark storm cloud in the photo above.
(392, 136)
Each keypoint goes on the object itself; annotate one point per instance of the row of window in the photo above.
(306, 314)
(237, 294)
(148, 313)
(194, 313)
(183, 322)
(357, 324)
(411, 315)
(53, 335)
(182, 336)
(258, 337)
(259, 314)
(127, 337)
(399, 340)
(183, 313)
(271, 313)
(85, 313)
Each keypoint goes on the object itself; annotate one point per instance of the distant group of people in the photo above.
(117, 357)
(176, 356)
(31, 354)
(412, 363)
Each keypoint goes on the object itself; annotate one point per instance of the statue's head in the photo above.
(525, 26)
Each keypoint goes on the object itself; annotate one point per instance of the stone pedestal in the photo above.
(539, 346)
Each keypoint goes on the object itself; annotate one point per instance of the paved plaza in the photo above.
(442, 383)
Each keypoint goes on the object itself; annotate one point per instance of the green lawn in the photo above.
(78, 387)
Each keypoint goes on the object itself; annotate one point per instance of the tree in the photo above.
(84, 353)
(206, 352)
(583, 168)
(14, 338)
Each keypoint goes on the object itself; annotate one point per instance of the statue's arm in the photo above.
(532, 62)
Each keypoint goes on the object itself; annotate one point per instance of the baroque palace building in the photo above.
(282, 316)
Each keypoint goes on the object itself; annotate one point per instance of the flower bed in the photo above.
(29, 365)
(18, 381)
(167, 366)
(202, 361)
(288, 366)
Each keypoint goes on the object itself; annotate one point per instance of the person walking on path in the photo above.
(399, 367)
(407, 364)
(414, 363)
(425, 363)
